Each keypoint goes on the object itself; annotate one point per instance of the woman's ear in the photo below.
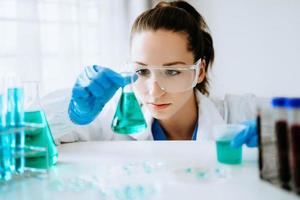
(202, 72)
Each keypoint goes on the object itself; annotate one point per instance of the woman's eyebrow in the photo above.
(174, 63)
(165, 64)
(140, 63)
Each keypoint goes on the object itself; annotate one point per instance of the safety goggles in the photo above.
(178, 78)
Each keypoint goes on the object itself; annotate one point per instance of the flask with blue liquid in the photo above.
(128, 118)
(38, 137)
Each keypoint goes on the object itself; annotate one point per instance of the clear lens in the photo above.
(170, 79)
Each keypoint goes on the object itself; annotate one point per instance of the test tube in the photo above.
(15, 119)
(293, 105)
(281, 131)
(5, 148)
(268, 162)
(260, 149)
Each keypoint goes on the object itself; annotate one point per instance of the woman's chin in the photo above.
(159, 114)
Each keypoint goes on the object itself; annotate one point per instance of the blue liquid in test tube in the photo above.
(15, 119)
(5, 149)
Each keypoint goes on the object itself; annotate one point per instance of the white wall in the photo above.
(256, 41)
(257, 44)
(51, 41)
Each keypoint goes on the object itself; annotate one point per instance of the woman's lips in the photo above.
(159, 106)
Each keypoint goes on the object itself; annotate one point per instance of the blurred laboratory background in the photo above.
(256, 42)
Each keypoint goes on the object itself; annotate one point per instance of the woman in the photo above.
(171, 52)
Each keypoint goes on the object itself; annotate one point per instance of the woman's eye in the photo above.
(143, 72)
(171, 72)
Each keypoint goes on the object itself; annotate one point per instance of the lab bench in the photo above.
(144, 170)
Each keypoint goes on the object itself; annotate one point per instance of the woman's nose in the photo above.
(155, 90)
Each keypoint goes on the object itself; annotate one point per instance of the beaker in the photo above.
(128, 118)
(223, 135)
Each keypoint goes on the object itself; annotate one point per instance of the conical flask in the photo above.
(39, 137)
(128, 118)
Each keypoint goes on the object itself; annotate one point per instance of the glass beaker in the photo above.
(128, 118)
(223, 135)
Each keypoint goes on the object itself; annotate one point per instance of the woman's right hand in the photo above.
(94, 87)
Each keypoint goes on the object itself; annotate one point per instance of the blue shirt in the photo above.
(159, 134)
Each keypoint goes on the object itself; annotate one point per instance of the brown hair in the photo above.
(180, 16)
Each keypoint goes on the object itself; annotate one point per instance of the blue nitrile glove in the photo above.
(248, 136)
(94, 87)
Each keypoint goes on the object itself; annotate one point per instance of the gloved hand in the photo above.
(94, 87)
(248, 136)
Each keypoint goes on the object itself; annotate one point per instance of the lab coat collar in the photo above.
(208, 116)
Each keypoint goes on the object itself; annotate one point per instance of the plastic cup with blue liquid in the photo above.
(223, 135)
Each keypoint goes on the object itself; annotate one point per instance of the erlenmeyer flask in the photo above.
(39, 137)
(128, 118)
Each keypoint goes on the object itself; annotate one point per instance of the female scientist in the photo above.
(171, 52)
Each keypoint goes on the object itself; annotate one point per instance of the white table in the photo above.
(145, 170)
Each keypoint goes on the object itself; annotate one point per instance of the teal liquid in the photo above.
(128, 118)
(5, 157)
(5, 151)
(40, 137)
(227, 154)
(20, 159)
(15, 118)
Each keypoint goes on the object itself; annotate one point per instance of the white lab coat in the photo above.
(232, 109)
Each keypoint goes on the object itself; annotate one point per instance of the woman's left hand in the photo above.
(248, 136)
